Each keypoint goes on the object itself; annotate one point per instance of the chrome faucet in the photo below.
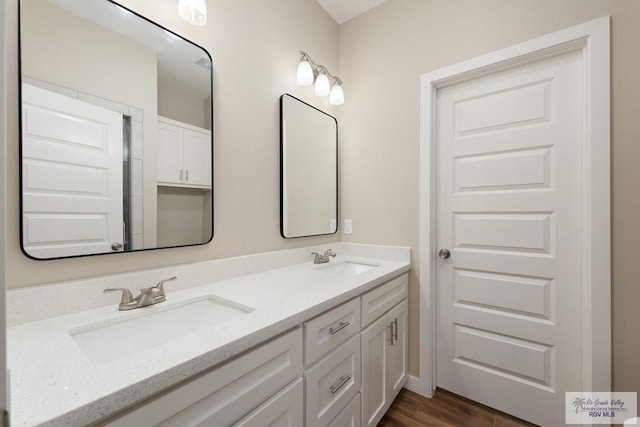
(323, 259)
(148, 296)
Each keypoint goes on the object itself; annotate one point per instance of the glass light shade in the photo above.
(304, 76)
(322, 87)
(193, 11)
(336, 97)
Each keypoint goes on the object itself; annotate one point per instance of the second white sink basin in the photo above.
(103, 343)
(346, 268)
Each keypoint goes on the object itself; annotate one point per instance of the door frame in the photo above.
(592, 38)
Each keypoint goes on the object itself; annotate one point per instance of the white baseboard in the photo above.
(413, 384)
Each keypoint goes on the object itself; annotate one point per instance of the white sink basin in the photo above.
(346, 268)
(105, 342)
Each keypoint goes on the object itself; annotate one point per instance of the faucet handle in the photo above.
(158, 290)
(127, 297)
(161, 282)
(328, 253)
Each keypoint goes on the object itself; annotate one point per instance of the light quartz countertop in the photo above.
(53, 382)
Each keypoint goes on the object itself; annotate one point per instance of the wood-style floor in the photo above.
(443, 410)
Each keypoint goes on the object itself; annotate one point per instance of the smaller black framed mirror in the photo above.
(308, 170)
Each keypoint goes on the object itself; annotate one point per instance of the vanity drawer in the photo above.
(350, 416)
(379, 300)
(327, 331)
(225, 394)
(332, 383)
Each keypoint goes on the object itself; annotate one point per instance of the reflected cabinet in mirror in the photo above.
(116, 140)
(309, 170)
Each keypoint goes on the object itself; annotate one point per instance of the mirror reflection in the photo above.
(116, 138)
(309, 170)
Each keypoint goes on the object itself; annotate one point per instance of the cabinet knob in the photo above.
(116, 246)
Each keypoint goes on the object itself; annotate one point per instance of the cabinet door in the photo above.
(285, 409)
(398, 354)
(197, 158)
(375, 345)
(169, 154)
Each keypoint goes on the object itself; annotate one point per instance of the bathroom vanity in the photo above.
(314, 345)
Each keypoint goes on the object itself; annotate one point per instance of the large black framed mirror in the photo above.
(308, 170)
(116, 132)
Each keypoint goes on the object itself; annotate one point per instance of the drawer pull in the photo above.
(341, 382)
(394, 330)
(340, 327)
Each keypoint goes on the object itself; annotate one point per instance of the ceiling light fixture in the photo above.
(193, 11)
(310, 72)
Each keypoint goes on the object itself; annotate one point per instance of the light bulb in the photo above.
(322, 87)
(336, 97)
(304, 76)
(193, 11)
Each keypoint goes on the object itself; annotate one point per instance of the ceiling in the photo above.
(344, 10)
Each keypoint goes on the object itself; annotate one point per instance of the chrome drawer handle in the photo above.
(340, 327)
(393, 327)
(341, 382)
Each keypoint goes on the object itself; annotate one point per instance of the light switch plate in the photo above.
(348, 226)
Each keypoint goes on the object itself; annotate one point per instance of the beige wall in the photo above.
(254, 45)
(382, 55)
(60, 48)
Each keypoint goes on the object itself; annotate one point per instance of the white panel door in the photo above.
(509, 197)
(71, 177)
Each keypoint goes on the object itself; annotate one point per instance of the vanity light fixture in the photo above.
(193, 11)
(310, 71)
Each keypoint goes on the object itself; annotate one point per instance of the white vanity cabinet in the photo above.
(224, 395)
(330, 372)
(384, 350)
(184, 155)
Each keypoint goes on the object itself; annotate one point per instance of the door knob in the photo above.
(116, 247)
(444, 253)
